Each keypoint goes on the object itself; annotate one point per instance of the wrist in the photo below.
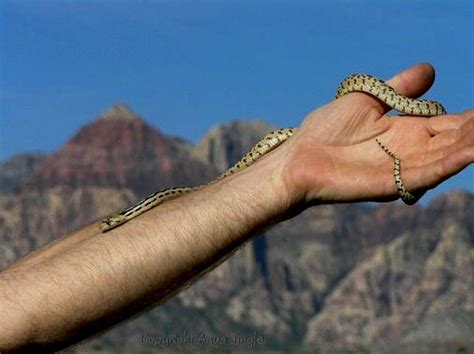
(295, 178)
(269, 187)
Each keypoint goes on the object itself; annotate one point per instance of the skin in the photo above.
(88, 281)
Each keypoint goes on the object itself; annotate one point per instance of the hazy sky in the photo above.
(187, 65)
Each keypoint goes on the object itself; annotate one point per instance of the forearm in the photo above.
(108, 277)
(54, 248)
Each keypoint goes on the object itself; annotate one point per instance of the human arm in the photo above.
(80, 289)
(89, 280)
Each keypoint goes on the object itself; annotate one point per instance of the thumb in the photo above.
(414, 81)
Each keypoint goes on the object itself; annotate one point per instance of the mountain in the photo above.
(226, 144)
(336, 277)
(14, 171)
(424, 272)
(120, 150)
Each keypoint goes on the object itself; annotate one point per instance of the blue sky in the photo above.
(187, 65)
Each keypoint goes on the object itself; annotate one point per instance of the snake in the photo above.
(353, 83)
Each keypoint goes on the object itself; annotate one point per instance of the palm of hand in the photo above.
(334, 155)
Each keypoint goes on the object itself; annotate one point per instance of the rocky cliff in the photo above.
(226, 144)
(14, 171)
(336, 277)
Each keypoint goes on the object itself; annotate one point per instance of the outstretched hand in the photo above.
(334, 156)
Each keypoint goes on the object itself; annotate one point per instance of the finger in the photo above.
(428, 177)
(444, 140)
(414, 81)
(445, 143)
(468, 114)
(452, 159)
(447, 122)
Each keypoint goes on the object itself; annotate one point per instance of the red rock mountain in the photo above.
(120, 150)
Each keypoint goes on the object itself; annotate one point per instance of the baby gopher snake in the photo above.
(358, 82)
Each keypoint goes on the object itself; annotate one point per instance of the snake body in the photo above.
(268, 143)
(358, 82)
(406, 196)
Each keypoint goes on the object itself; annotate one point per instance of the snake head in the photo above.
(112, 222)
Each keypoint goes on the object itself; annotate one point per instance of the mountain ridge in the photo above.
(120, 150)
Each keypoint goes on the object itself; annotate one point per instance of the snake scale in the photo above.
(358, 82)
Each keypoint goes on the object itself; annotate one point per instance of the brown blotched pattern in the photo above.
(378, 88)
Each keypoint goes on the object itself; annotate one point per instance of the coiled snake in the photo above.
(358, 82)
